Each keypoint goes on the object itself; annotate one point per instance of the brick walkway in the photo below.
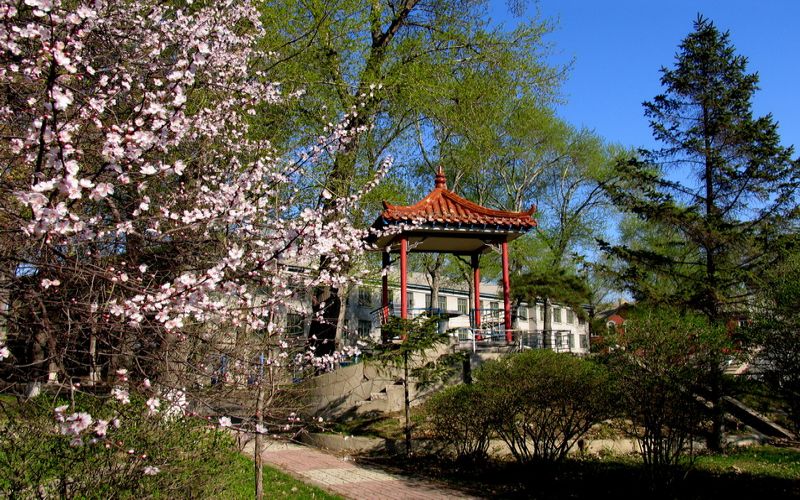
(346, 478)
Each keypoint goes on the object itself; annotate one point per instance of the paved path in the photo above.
(348, 479)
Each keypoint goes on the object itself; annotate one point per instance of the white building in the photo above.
(570, 332)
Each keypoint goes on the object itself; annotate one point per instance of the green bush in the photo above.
(145, 456)
(543, 402)
(661, 363)
(460, 417)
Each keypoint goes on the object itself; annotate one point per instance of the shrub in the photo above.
(774, 335)
(542, 402)
(460, 417)
(661, 362)
(145, 456)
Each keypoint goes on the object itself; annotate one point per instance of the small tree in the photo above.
(552, 285)
(661, 361)
(543, 402)
(417, 336)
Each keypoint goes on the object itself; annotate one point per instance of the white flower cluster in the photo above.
(79, 424)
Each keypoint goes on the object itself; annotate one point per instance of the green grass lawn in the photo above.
(783, 463)
(241, 485)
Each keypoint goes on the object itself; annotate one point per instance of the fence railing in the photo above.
(475, 338)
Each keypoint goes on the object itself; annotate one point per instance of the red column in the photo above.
(476, 278)
(385, 261)
(403, 277)
(507, 294)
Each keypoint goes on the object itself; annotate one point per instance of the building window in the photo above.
(581, 321)
(442, 303)
(532, 313)
(570, 316)
(294, 324)
(541, 313)
(556, 315)
(364, 296)
(427, 301)
(462, 306)
(410, 299)
(495, 306)
(364, 328)
(523, 313)
(570, 340)
(584, 341)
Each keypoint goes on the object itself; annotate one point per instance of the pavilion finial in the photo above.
(441, 180)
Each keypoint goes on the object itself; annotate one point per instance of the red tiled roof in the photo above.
(444, 206)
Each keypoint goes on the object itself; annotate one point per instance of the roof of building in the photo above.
(444, 206)
(446, 222)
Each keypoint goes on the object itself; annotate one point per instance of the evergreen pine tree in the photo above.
(720, 192)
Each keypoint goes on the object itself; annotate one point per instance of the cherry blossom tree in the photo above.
(145, 230)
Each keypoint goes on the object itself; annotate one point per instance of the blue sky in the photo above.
(618, 47)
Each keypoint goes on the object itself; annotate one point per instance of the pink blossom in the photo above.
(151, 470)
(47, 283)
(91, 188)
(59, 412)
(101, 428)
(121, 395)
(76, 423)
(224, 422)
(101, 190)
(152, 405)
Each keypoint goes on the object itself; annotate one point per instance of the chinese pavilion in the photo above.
(445, 222)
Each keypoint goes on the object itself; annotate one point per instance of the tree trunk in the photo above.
(407, 405)
(340, 322)
(714, 441)
(547, 325)
(258, 457)
(435, 280)
(322, 332)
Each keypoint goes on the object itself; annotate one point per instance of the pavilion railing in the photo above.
(477, 338)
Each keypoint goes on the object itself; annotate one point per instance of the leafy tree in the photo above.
(394, 68)
(719, 193)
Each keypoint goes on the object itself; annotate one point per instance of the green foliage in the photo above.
(460, 417)
(430, 69)
(36, 459)
(716, 200)
(660, 362)
(416, 336)
(543, 402)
